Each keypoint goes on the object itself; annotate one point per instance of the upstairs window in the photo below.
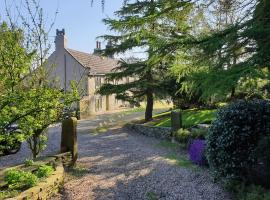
(97, 82)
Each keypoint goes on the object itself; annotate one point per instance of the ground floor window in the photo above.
(98, 104)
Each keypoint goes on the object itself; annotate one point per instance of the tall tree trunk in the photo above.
(149, 105)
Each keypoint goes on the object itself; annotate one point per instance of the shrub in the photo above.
(197, 152)
(28, 162)
(18, 179)
(199, 133)
(44, 171)
(260, 173)
(182, 136)
(234, 135)
(252, 192)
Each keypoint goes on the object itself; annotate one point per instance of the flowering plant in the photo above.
(197, 152)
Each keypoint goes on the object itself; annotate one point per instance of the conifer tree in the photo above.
(143, 24)
(229, 60)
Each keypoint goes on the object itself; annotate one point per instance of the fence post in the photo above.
(69, 138)
(176, 122)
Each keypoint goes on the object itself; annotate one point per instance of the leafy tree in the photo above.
(30, 101)
(14, 101)
(143, 24)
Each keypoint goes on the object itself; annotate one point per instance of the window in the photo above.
(98, 104)
(97, 82)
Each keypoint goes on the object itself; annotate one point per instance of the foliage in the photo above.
(8, 194)
(14, 101)
(197, 152)
(183, 136)
(18, 179)
(229, 58)
(260, 173)
(234, 136)
(28, 162)
(199, 133)
(249, 192)
(44, 171)
(29, 101)
(142, 24)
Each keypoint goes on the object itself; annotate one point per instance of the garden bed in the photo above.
(33, 180)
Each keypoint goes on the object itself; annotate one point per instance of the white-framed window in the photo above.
(98, 103)
(98, 82)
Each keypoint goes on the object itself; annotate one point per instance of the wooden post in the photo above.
(69, 138)
(176, 122)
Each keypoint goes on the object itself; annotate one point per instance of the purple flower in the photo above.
(197, 152)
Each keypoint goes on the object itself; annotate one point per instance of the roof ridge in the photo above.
(91, 54)
(97, 64)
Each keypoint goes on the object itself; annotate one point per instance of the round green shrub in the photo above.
(182, 136)
(234, 135)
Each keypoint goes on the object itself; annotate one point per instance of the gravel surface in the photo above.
(122, 165)
(54, 135)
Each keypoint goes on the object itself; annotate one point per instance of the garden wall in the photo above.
(45, 188)
(49, 186)
(163, 133)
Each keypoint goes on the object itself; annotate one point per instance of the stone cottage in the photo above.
(87, 70)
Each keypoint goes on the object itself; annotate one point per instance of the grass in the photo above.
(179, 161)
(151, 196)
(173, 157)
(168, 144)
(190, 118)
(76, 172)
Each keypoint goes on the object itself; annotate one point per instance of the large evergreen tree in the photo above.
(230, 61)
(143, 24)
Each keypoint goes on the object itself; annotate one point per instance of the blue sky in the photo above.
(82, 22)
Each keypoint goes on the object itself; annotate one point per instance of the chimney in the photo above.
(60, 40)
(97, 50)
(109, 47)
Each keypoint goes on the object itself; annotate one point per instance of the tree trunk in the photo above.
(149, 106)
(35, 146)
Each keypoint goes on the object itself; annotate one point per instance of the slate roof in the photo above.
(97, 64)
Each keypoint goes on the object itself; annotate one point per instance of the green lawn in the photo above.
(190, 118)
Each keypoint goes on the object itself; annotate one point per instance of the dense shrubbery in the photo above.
(18, 179)
(234, 136)
(21, 180)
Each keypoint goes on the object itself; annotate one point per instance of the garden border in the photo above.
(49, 186)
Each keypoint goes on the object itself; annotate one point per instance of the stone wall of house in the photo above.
(162, 133)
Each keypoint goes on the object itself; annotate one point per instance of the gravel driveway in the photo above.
(123, 165)
(54, 135)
